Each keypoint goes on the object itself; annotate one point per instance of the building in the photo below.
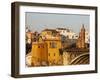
(67, 33)
(47, 47)
(50, 33)
(87, 37)
(46, 50)
(39, 54)
(28, 41)
(28, 35)
(53, 40)
(54, 55)
(35, 36)
(81, 39)
(27, 29)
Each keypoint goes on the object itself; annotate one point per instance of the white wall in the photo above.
(5, 40)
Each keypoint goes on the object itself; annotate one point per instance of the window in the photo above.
(49, 54)
(38, 46)
(53, 44)
(67, 37)
(68, 30)
(72, 37)
(54, 54)
(76, 36)
(54, 33)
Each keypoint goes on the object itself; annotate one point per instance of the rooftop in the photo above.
(67, 29)
(53, 30)
(61, 28)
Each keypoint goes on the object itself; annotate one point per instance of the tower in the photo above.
(81, 39)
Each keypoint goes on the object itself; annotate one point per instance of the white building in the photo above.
(67, 33)
(87, 37)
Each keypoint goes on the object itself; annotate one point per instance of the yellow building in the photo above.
(54, 55)
(46, 51)
(53, 40)
(39, 54)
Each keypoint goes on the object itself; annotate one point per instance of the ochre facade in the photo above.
(39, 53)
(46, 50)
(54, 56)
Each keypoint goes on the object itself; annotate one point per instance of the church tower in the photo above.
(83, 37)
(81, 40)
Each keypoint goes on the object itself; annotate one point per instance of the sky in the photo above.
(41, 21)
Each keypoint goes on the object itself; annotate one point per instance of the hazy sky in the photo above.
(40, 21)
